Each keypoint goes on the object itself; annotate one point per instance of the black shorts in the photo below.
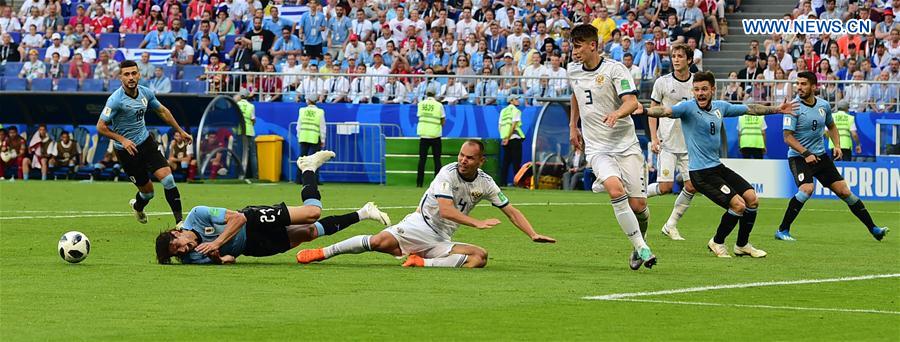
(824, 170)
(719, 184)
(314, 51)
(267, 230)
(147, 160)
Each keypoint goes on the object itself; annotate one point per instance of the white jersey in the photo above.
(465, 195)
(599, 93)
(668, 91)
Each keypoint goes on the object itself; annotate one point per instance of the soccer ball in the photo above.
(74, 247)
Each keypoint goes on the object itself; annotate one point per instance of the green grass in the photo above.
(527, 292)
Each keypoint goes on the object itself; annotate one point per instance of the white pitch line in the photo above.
(796, 308)
(617, 296)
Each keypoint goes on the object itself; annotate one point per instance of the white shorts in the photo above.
(416, 237)
(628, 167)
(667, 163)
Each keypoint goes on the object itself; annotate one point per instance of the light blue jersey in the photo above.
(702, 129)
(209, 223)
(125, 115)
(809, 126)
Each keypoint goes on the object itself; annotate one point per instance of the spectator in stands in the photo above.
(291, 70)
(605, 25)
(366, 57)
(771, 66)
(33, 68)
(218, 81)
(181, 156)
(311, 25)
(438, 60)
(287, 44)
(312, 85)
(144, 67)
(362, 27)
(57, 48)
(339, 27)
(542, 90)
(830, 91)
(523, 57)
(894, 69)
(270, 85)
(224, 26)
(866, 68)
(425, 84)
(619, 51)
(80, 16)
(823, 69)
(65, 152)
(55, 69)
(178, 31)
(830, 12)
(182, 54)
(509, 69)
(883, 97)
(532, 73)
(9, 51)
(749, 72)
(733, 92)
(759, 91)
(337, 88)
(35, 19)
(31, 40)
(155, 13)
(781, 92)
(453, 92)
(881, 59)
(12, 150)
(159, 38)
(857, 94)
(634, 70)
(691, 20)
(86, 50)
(159, 84)
(486, 89)
(378, 69)
(205, 50)
(37, 156)
(102, 22)
(134, 23)
(361, 87)
(259, 40)
(9, 23)
(206, 31)
(71, 39)
(394, 91)
(79, 69)
(884, 28)
(650, 67)
(106, 69)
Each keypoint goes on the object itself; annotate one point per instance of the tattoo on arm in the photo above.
(757, 109)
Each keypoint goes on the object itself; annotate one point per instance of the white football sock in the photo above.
(628, 222)
(454, 260)
(643, 219)
(363, 214)
(355, 245)
(653, 190)
(682, 203)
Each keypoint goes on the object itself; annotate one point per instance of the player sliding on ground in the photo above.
(668, 143)
(603, 98)
(808, 158)
(122, 120)
(701, 120)
(218, 236)
(425, 235)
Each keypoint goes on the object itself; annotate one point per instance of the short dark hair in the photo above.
(809, 76)
(688, 52)
(705, 76)
(14, 128)
(627, 54)
(163, 240)
(42, 125)
(584, 33)
(477, 142)
(127, 64)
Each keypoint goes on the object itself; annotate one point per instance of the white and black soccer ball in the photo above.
(74, 247)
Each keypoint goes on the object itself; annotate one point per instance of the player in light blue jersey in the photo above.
(211, 235)
(122, 120)
(701, 123)
(809, 160)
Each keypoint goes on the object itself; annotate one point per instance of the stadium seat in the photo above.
(92, 85)
(107, 39)
(12, 69)
(82, 136)
(65, 69)
(16, 37)
(55, 132)
(170, 71)
(42, 52)
(113, 85)
(229, 42)
(177, 86)
(195, 87)
(41, 84)
(191, 72)
(133, 40)
(16, 84)
(2, 83)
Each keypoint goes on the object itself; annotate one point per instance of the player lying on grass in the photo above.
(809, 160)
(701, 122)
(218, 236)
(425, 235)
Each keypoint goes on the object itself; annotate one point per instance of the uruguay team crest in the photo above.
(144, 101)
(718, 113)
(822, 112)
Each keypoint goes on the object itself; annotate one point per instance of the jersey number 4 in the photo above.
(462, 205)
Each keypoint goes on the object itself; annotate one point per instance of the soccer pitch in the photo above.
(835, 283)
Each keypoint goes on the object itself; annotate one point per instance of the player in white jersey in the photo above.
(668, 141)
(603, 98)
(425, 235)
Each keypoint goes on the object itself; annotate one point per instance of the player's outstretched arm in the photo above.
(449, 211)
(658, 112)
(522, 223)
(784, 108)
(169, 119)
(233, 223)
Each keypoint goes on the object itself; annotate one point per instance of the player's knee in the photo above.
(380, 242)
(842, 192)
(738, 205)
(478, 259)
(807, 189)
(689, 186)
(637, 204)
(665, 187)
(751, 201)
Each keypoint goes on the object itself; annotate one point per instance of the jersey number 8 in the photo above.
(815, 124)
(712, 128)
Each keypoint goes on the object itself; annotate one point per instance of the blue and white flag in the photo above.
(157, 56)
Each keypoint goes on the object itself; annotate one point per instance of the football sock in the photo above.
(628, 222)
(334, 224)
(643, 217)
(793, 209)
(859, 209)
(682, 203)
(174, 199)
(653, 190)
(355, 245)
(454, 260)
(729, 220)
(747, 222)
(141, 200)
(310, 192)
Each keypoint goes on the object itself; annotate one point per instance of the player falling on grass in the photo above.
(122, 120)
(809, 160)
(668, 141)
(603, 98)
(425, 235)
(218, 235)
(701, 121)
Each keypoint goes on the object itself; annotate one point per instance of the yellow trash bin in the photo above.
(269, 157)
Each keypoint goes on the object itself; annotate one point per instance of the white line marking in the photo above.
(798, 308)
(740, 286)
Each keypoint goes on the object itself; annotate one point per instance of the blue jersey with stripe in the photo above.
(702, 130)
(809, 126)
(209, 223)
(125, 114)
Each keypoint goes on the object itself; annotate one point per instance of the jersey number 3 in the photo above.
(590, 99)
